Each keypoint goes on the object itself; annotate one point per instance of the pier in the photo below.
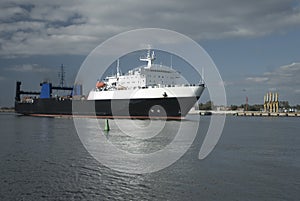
(268, 114)
(6, 110)
(244, 113)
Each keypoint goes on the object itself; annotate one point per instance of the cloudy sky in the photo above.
(255, 44)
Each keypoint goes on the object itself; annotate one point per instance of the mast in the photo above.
(149, 58)
(118, 68)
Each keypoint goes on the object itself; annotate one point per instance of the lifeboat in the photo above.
(100, 84)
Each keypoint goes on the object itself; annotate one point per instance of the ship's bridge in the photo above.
(145, 76)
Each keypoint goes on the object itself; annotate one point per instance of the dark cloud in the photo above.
(74, 27)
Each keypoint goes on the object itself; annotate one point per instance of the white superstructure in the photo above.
(149, 81)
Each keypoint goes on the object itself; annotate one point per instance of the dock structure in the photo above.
(7, 110)
(271, 108)
(271, 103)
(245, 113)
(268, 114)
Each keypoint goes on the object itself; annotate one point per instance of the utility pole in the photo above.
(246, 106)
(61, 75)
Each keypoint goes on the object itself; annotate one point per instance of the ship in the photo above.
(148, 91)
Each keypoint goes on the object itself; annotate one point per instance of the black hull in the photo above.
(170, 108)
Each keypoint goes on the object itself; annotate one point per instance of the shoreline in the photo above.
(7, 110)
(245, 113)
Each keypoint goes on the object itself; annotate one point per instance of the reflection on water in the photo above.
(123, 151)
(145, 136)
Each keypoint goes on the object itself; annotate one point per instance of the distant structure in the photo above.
(62, 75)
(271, 103)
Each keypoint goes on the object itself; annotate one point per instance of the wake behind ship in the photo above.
(149, 91)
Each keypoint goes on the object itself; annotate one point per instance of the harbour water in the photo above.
(256, 158)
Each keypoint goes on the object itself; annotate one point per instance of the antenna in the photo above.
(61, 75)
(202, 73)
(118, 68)
(149, 58)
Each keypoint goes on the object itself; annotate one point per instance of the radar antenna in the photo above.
(149, 58)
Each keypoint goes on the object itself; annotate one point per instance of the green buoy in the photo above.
(106, 127)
